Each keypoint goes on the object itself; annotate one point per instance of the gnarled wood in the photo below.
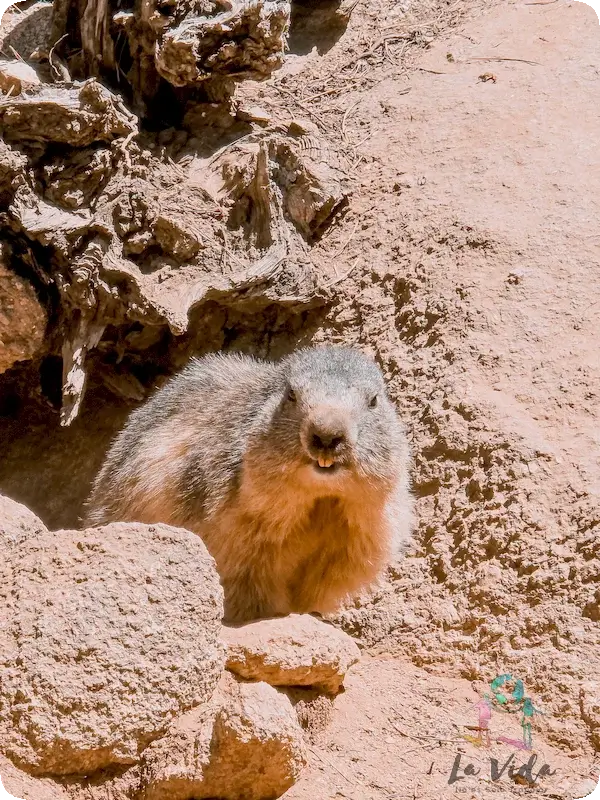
(201, 47)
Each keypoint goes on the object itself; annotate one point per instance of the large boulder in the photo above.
(17, 77)
(17, 524)
(23, 787)
(589, 702)
(298, 650)
(108, 634)
(246, 744)
(23, 31)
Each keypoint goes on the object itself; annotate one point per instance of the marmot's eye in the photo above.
(291, 396)
(373, 402)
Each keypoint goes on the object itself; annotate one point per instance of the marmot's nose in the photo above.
(326, 440)
(328, 432)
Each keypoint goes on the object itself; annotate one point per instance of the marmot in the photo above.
(295, 474)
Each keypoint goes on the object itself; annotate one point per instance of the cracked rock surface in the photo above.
(109, 634)
(297, 650)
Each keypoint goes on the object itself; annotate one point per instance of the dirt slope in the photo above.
(396, 733)
(469, 265)
(476, 281)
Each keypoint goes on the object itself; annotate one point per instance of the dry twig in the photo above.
(351, 781)
(14, 52)
(382, 42)
(499, 58)
(347, 113)
(321, 122)
(342, 277)
(335, 256)
(423, 737)
(58, 69)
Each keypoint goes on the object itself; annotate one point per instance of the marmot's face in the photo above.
(334, 422)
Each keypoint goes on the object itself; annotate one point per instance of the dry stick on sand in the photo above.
(335, 90)
(336, 255)
(329, 763)
(422, 738)
(342, 277)
(347, 113)
(384, 40)
(499, 58)
(317, 117)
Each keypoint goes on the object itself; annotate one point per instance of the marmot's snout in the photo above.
(328, 436)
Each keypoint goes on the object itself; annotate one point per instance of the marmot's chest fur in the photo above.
(302, 562)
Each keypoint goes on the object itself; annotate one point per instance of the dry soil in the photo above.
(468, 264)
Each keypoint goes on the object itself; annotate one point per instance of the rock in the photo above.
(207, 47)
(17, 76)
(246, 743)
(22, 319)
(17, 523)
(312, 191)
(109, 633)
(24, 31)
(21, 785)
(298, 650)
(12, 174)
(261, 750)
(122, 783)
(254, 114)
(107, 230)
(246, 41)
(314, 709)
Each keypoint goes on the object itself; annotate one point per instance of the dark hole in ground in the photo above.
(50, 469)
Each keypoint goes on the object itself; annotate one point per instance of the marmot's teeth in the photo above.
(325, 462)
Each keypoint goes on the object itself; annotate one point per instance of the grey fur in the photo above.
(230, 448)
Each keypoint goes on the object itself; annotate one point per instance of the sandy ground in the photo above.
(479, 174)
(397, 732)
(468, 264)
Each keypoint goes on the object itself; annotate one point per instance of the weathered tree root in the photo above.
(116, 234)
(206, 47)
(120, 237)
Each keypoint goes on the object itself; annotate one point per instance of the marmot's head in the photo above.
(332, 422)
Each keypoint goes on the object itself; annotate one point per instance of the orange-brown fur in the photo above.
(283, 538)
